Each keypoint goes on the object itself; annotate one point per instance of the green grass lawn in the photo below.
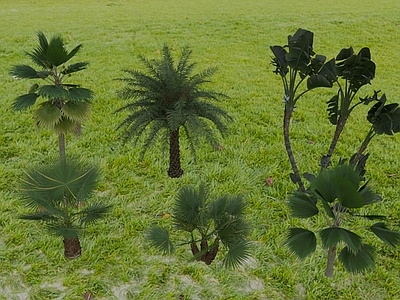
(117, 262)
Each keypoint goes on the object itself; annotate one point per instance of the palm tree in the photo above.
(65, 105)
(209, 224)
(168, 98)
(59, 196)
(337, 194)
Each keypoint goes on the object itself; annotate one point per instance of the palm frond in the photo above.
(301, 242)
(332, 236)
(48, 115)
(25, 101)
(24, 72)
(93, 213)
(357, 262)
(76, 67)
(159, 238)
(76, 111)
(63, 229)
(388, 236)
(302, 205)
(237, 254)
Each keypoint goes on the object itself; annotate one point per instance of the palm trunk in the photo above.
(72, 248)
(326, 159)
(212, 253)
(175, 170)
(286, 124)
(331, 262)
(61, 144)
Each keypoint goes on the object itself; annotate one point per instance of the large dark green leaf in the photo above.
(24, 71)
(390, 237)
(237, 254)
(79, 94)
(279, 60)
(53, 92)
(331, 236)
(316, 81)
(159, 238)
(357, 262)
(25, 101)
(385, 118)
(48, 115)
(300, 51)
(75, 68)
(93, 213)
(347, 194)
(301, 241)
(302, 205)
(323, 187)
(189, 202)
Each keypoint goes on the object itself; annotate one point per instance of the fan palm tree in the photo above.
(64, 105)
(59, 196)
(337, 194)
(168, 98)
(209, 224)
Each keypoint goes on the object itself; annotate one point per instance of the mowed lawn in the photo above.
(117, 262)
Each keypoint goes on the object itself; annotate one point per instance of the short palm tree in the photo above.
(59, 196)
(337, 194)
(64, 105)
(168, 98)
(209, 224)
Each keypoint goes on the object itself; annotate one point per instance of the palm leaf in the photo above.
(390, 237)
(330, 237)
(357, 262)
(65, 230)
(302, 205)
(237, 254)
(24, 72)
(52, 92)
(48, 115)
(93, 213)
(76, 111)
(74, 68)
(25, 101)
(78, 94)
(159, 238)
(301, 242)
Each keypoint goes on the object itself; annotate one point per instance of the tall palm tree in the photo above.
(167, 98)
(59, 196)
(338, 194)
(64, 105)
(210, 224)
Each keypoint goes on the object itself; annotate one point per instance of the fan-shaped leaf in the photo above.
(390, 237)
(76, 111)
(75, 68)
(52, 92)
(302, 205)
(357, 262)
(301, 241)
(24, 72)
(159, 238)
(79, 94)
(48, 115)
(25, 101)
(93, 213)
(330, 237)
(237, 254)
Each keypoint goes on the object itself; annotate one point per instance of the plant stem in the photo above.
(175, 169)
(339, 128)
(331, 262)
(363, 146)
(61, 144)
(286, 124)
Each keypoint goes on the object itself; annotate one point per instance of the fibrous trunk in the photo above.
(175, 169)
(72, 248)
(61, 144)
(209, 254)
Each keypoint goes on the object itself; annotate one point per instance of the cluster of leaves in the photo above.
(59, 194)
(338, 194)
(208, 223)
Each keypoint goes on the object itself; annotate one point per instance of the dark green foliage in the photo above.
(295, 63)
(59, 195)
(169, 100)
(341, 193)
(209, 224)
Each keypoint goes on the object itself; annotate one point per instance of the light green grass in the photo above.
(235, 36)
